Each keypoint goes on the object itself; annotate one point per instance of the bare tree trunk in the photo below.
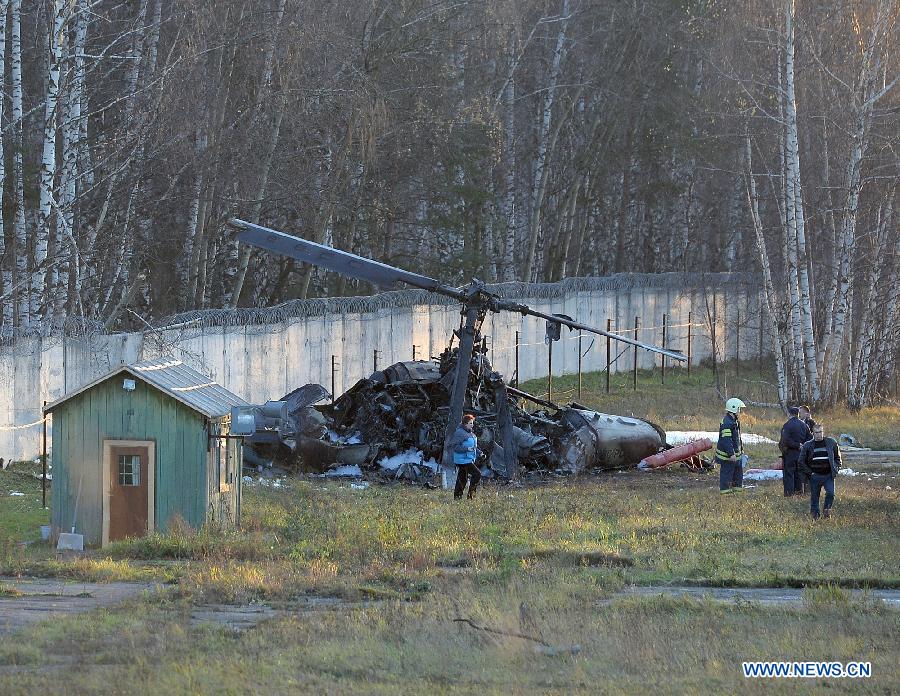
(265, 90)
(41, 283)
(858, 397)
(509, 164)
(795, 213)
(543, 145)
(256, 211)
(865, 95)
(768, 285)
(6, 313)
(22, 294)
(73, 96)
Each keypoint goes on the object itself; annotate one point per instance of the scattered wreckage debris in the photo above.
(390, 426)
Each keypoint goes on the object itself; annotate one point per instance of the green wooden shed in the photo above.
(141, 447)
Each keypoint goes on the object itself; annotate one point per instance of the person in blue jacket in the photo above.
(464, 446)
(730, 450)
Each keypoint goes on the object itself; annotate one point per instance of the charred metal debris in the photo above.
(392, 425)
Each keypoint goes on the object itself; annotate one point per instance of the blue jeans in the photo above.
(731, 475)
(816, 483)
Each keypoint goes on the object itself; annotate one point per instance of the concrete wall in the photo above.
(261, 361)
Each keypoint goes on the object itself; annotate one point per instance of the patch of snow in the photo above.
(338, 439)
(16, 493)
(680, 437)
(848, 472)
(763, 474)
(410, 456)
(347, 470)
(360, 486)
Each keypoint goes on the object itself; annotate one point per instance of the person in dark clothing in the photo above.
(729, 449)
(820, 459)
(805, 415)
(464, 446)
(793, 434)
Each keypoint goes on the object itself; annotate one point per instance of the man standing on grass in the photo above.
(793, 434)
(730, 449)
(820, 460)
(464, 446)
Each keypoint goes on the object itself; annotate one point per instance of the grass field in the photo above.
(545, 561)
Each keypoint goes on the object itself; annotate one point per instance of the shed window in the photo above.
(129, 470)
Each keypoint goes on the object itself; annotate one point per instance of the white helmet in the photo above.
(734, 405)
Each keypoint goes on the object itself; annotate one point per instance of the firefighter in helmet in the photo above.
(729, 449)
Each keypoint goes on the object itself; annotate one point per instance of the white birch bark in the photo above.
(42, 283)
(21, 295)
(795, 210)
(71, 126)
(790, 223)
(6, 312)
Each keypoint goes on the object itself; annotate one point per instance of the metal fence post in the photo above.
(375, 360)
(664, 345)
(690, 328)
(608, 352)
(414, 352)
(737, 344)
(550, 371)
(579, 365)
(334, 369)
(637, 326)
(516, 380)
(44, 461)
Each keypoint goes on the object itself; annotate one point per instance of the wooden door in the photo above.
(128, 504)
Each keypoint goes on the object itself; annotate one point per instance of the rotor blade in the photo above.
(524, 309)
(342, 262)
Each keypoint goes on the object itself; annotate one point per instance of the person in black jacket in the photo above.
(793, 434)
(820, 459)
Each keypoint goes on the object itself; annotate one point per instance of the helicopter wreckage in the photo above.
(390, 426)
(400, 419)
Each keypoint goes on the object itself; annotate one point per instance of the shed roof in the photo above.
(177, 380)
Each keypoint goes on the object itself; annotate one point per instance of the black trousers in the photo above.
(466, 473)
(793, 478)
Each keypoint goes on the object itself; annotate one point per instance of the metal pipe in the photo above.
(526, 395)
(460, 379)
(375, 360)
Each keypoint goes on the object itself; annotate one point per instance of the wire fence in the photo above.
(263, 353)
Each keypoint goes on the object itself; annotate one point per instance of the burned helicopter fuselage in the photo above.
(405, 407)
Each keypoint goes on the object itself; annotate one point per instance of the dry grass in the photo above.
(670, 645)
